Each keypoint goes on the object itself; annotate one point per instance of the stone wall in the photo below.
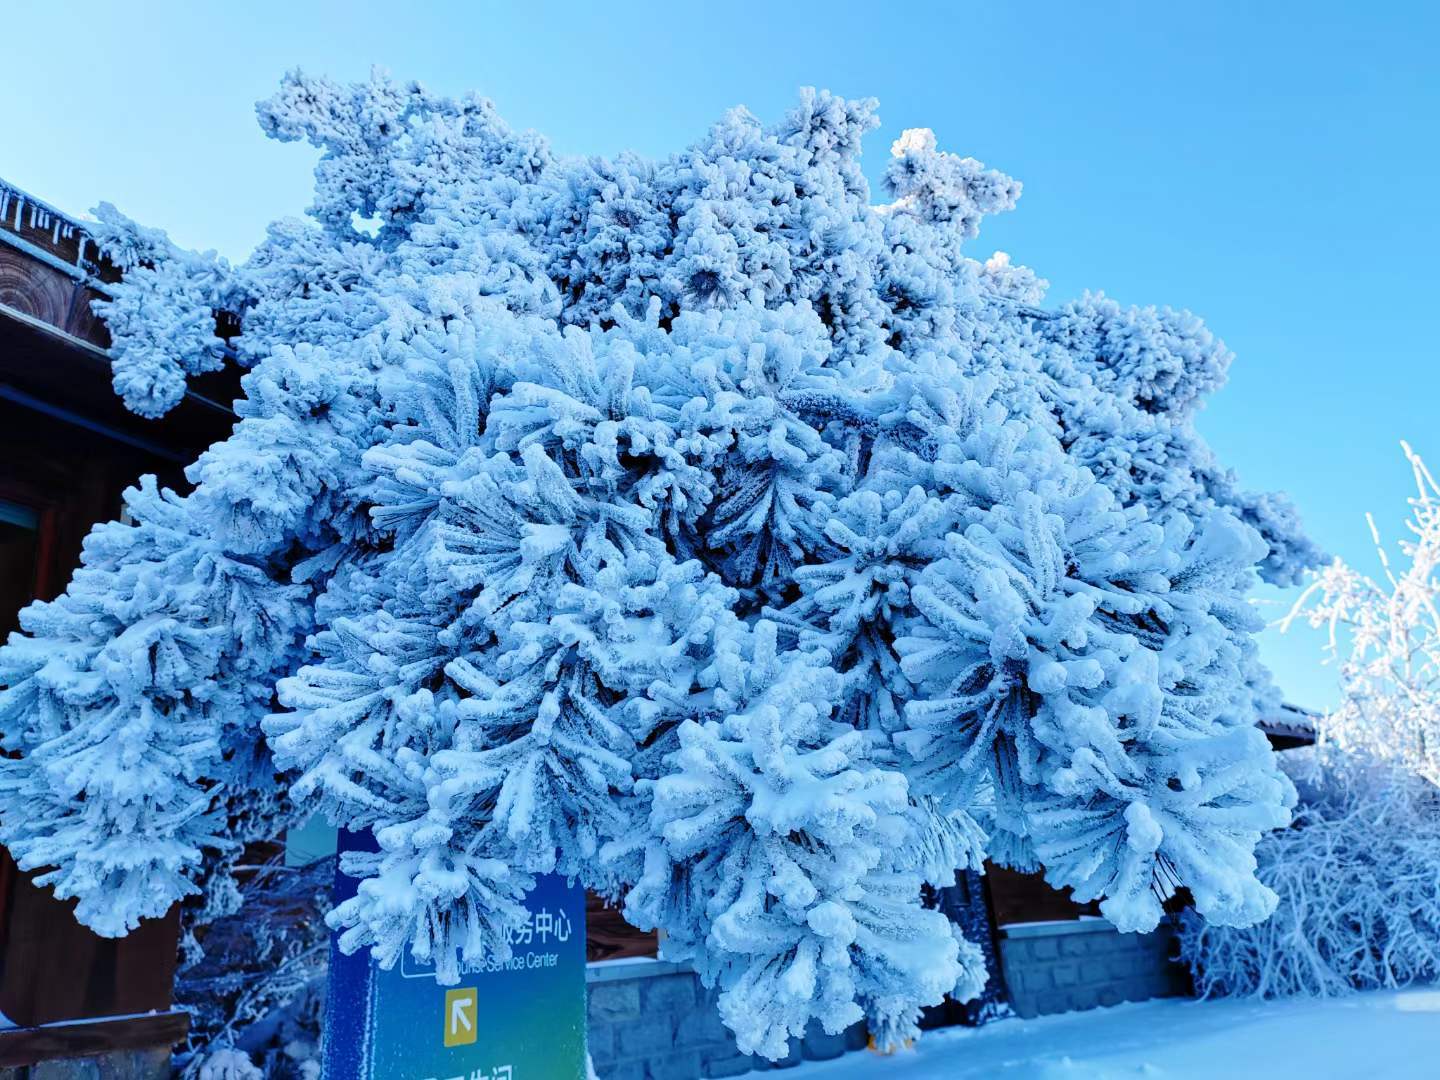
(151, 1064)
(1061, 966)
(652, 1020)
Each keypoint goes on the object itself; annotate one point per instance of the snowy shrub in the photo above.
(692, 528)
(1358, 877)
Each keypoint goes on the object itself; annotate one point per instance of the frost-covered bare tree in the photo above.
(1358, 874)
(1385, 636)
(1358, 877)
(252, 979)
(693, 528)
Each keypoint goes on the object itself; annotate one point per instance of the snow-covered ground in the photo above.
(1376, 1036)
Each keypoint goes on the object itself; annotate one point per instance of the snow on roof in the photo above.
(1291, 722)
(52, 235)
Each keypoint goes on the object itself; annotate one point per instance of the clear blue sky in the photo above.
(1271, 166)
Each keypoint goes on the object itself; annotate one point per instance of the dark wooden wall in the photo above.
(1016, 897)
(68, 449)
(609, 937)
(52, 968)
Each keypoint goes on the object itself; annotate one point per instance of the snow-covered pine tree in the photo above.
(693, 528)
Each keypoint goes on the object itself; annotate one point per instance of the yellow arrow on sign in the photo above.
(460, 1016)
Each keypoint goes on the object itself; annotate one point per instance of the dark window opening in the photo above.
(19, 555)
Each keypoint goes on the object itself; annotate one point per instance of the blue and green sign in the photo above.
(521, 1019)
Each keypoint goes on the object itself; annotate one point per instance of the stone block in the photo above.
(1065, 975)
(701, 1026)
(1025, 1005)
(684, 1065)
(1053, 1001)
(794, 1057)
(627, 1070)
(615, 1001)
(653, 1035)
(668, 993)
(819, 1045)
(1107, 996)
(86, 1068)
(152, 1064)
(600, 1041)
(732, 1064)
(1119, 967)
(1045, 948)
(1102, 948)
(1104, 951)
(1075, 944)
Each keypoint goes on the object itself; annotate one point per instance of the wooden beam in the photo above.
(48, 365)
(87, 1038)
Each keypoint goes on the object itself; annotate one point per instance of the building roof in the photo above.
(51, 236)
(1290, 726)
(54, 350)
